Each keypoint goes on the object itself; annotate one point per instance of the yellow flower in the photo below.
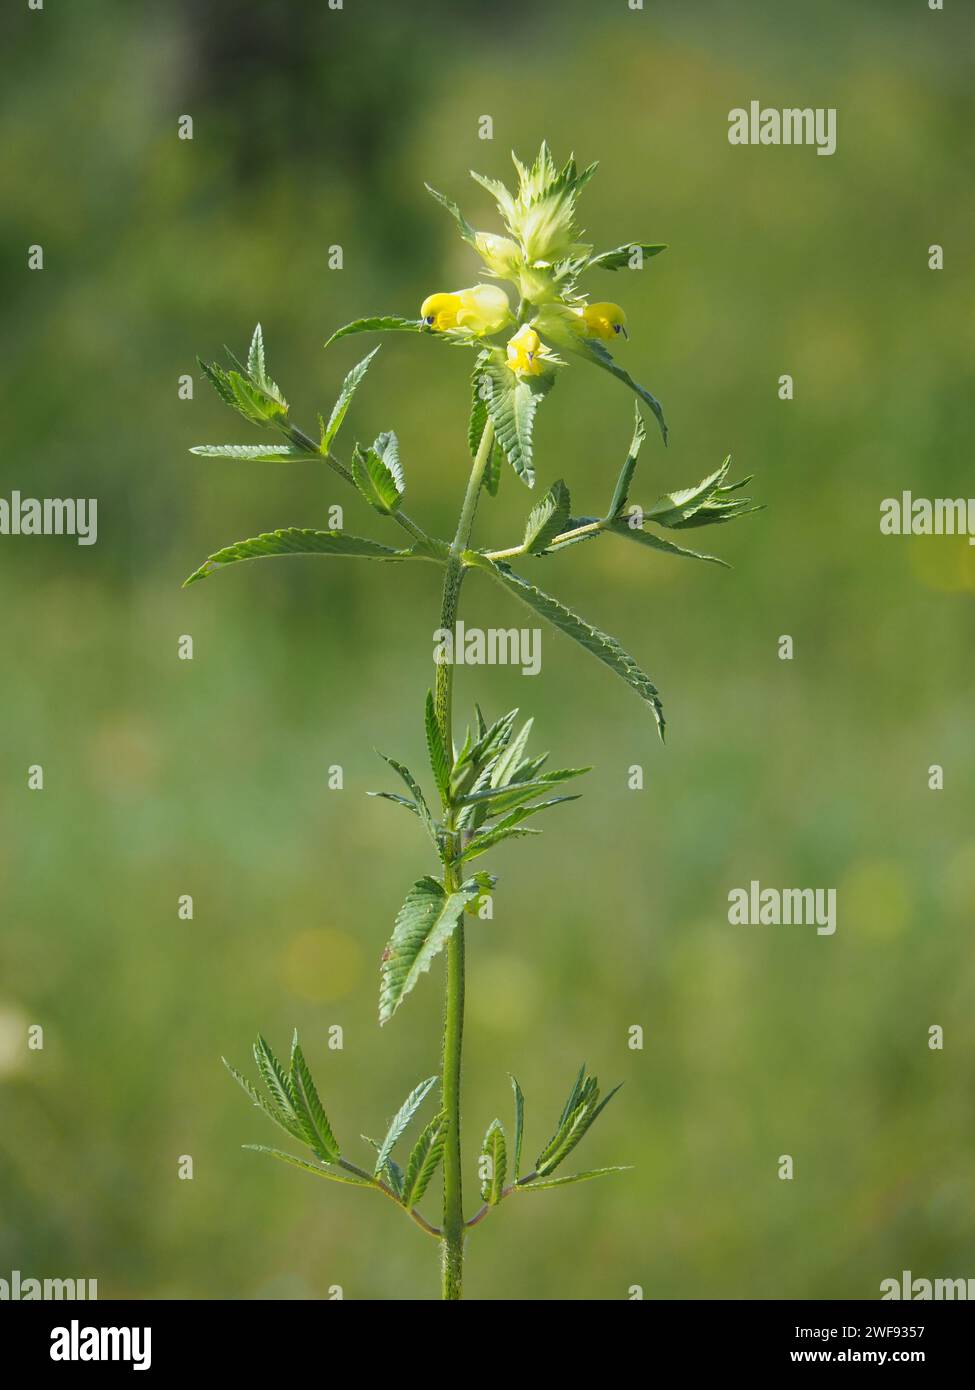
(525, 352)
(480, 309)
(602, 321)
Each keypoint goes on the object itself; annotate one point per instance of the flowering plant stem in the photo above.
(453, 1031)
(488, 784)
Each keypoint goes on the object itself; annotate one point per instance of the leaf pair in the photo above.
(378, 475)
(579, 1113)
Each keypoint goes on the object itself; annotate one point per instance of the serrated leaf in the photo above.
(272, 1111)
(593, 350)
(439, 762)
(481, 883)
(424, 924)
(519, 1127)
(655, 542)
(254, 402)
(510, 759)
(494, 1151)
(375, 481)
(401, 1119)
(349, 387)
(541, 1183)
(276, 1081)
(619, 257)
(487, 839)
(381, 323)
(492, 473)
(386, 445)
(254, 453)
(547, 518)
(466, 230)
(481, 385)
(622, 490)
(255, 356)
(303, 1086)
(303, 1163)
(574, 1123)
(684, 502)
(220, 382)
(511, 404)
(414, 788)
(424, 1161)
(297, 541)
(599, 643)
(398, 801)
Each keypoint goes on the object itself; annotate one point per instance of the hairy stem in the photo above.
(453, 1032)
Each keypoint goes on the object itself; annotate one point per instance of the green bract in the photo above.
(484, 788)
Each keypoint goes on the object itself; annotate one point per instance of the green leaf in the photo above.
(466, 230)
(511, 758)
(382, 323)
(255, 357)
(495, 1152)
(386, 445)
(648, 538)
(519, 1127)
(254, 453)
(492, 473)
(580, 1112)
(684, 502)
(424, 1161)
(414, 787)
(256, 403)
(281, 1118)
(296, 541)
(401, 1119)
(499, 831)
(599, 643)
(398, 801)
(423, 926)
(220, 382)
(593, 350)
(538, 1184)
(308, 1167)
(622, 491)
(511, 404)
(303, 1087)
(619, 257)
(481, 386)
(487, 839)
(349, 387)
(439, 761)
(481, 884)
(376, 481)
(547, 518)
(275, 1080)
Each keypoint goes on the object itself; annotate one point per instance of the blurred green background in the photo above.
(165, 777)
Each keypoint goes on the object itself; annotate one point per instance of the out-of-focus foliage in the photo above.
(315, 129)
